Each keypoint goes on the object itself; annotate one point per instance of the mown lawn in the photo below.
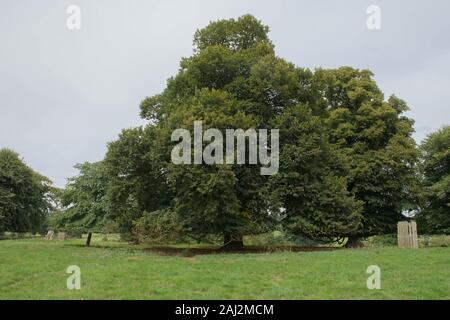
(35, 269)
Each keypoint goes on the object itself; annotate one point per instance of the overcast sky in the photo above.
(65, 93)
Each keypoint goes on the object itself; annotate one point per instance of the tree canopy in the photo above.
(82, 201)
(347, 159)
(234, 80)
(435, 167)
(375, 137)
(25, 200)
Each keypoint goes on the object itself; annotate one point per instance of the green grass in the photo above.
(35, 269)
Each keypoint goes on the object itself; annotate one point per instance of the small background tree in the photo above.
(83, 203)
(435, 168)
(25, 199)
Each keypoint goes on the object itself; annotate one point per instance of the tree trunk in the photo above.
(354, 242)
(232, 242)
(88, 240)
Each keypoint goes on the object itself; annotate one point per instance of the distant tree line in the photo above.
(349, 167)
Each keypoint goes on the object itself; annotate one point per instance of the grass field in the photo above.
(35, 269)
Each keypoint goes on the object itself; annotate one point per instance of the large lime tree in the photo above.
(346, 157)
(234, 80)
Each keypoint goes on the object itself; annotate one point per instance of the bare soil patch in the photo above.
(190, 252)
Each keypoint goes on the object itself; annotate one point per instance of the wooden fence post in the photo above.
(88, 240)
(407, 235)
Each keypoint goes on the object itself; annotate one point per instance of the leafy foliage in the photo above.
(374, 136)
(83, 200)
(25, 199)
(347, 167)
(312, 181)
(234, 80)
(158, 227)
(137, 180)
(435, 167)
